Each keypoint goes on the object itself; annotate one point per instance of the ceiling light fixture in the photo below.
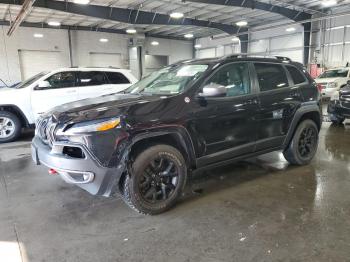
(176, 15)
(188, 35)
(155, 43)
(131, 31)
(54, 23)
(290, 29)
(197, 46)
(329, 3)
(82, 2)
(36, 35)
(242, 23)
(103, 40)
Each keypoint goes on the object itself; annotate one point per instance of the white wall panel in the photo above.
(176, 50)
(205, 53)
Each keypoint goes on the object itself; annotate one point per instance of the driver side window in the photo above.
(234, 77)
(61, 80)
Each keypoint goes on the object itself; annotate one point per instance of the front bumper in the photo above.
(84, 172)
(336, 109)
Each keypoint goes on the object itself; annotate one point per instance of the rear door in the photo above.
(61, 89)
(279, 99)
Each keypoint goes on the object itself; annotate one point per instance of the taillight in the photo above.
(319, 88)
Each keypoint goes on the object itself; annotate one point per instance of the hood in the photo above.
(98, 108)
(327, 80)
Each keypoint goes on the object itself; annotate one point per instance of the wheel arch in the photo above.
(18, 112)
(177, 137)
(308, 111)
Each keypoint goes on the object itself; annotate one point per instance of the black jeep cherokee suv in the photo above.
(188, 116)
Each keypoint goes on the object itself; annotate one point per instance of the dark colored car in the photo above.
(186, 117)
(339, 107)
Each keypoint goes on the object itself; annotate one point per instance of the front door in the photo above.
(60, 88)
(226, 126)
(279, 98)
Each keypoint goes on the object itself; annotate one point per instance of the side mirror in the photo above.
(213, 90)
(42, 85)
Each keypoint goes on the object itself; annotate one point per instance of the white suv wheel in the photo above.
(7, 127)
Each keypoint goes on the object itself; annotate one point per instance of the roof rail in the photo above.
(245, 55)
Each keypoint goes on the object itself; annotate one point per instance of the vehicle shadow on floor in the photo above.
(236, 175)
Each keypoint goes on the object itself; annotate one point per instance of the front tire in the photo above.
(156, 180)
(303, 146)
(10, 127)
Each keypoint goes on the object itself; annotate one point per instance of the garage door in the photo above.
(34, 62)
(106, 59)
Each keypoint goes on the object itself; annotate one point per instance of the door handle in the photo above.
(252, 102)
(296, 95)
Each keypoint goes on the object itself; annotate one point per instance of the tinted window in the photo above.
(92, 78)
(61, 80)
(296, 75)
(117, 78)
(271, 76)
(235, 77)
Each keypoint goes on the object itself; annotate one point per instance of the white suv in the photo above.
(22, 104)
(333, 80)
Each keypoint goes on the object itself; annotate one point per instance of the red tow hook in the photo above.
(52, 171)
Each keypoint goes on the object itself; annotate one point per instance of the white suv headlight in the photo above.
(93, 126)
(333, 85)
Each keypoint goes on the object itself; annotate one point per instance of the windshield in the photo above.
(335, 73)
(30, 80)
(170, 80)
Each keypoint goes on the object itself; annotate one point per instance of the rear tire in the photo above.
(303, 146)
(10, 127)
(156, 180)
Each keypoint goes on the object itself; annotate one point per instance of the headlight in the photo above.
(335, 96)
(333, 85)
(93, 126)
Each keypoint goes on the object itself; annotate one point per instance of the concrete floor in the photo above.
(257, 210)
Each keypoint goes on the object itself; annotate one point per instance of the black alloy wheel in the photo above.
(303, 146)
(159, 180)
(156, 179)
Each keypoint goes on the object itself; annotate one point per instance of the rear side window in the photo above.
(92, 78)
(297, 76)
(117, 78)
(271, 76)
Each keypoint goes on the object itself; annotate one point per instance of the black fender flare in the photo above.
(308, 107)
(179, 132)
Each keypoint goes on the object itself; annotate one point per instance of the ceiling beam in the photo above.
(292, 14)
(126, 15)
(89, 28)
